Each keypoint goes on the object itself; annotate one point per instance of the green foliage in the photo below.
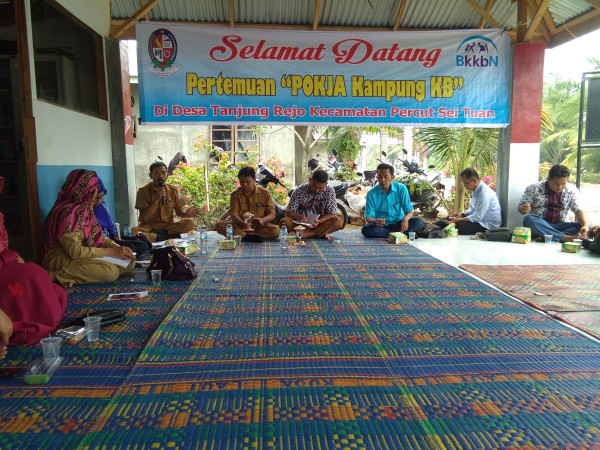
(196, 180)
(561, 106)
(459, 148)
(346, 142)
(346, 172)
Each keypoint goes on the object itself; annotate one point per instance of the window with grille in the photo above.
(236, 140)
(69, 61)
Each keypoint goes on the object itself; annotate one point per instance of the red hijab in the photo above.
(73, 210)
(3, 233)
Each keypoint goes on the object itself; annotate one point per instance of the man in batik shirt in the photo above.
(313, 205)
(546, 206)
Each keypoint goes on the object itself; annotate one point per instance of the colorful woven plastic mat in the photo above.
(570, 293)
(58, 414)
(360, 344)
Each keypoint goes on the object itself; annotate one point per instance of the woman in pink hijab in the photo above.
(73, 240)
(31, 305)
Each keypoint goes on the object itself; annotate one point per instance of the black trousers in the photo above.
(464, 228)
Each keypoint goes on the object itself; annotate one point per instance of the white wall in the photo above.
(66, 137)
(523, 170)
(94, 13)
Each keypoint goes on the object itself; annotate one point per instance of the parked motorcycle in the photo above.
(368, 177)
(353, 203)
(421, 187)
(264, 176)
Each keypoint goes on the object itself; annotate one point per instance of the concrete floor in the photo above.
(464, 250)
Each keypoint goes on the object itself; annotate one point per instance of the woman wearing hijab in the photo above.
(31, 305)
(139, 246)
(73, 238)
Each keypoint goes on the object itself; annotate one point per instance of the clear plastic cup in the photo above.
(238, 240)
(156, 275)
(92, 327)
(411, 236)
(51, 348)
(548, 239)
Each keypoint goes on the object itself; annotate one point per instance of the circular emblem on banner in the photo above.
(162, 48)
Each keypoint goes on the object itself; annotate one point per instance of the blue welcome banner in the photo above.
(191, 74)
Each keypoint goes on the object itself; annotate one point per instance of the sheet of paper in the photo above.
(121, 262)
(309, 220)
(127, 296)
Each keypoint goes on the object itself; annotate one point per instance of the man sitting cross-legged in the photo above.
(156, 203)
(388, 207)
(252, 199)
(484, 213)
(546, 205)
(313, 200)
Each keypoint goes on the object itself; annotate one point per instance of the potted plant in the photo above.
(430, 212)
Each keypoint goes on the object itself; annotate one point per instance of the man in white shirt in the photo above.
(484, 212)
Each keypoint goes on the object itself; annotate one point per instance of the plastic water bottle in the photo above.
(283, 234)
(126, 230)
(229, 231)
(203, 240)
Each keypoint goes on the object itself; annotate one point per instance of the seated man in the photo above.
(388, 207)
(156, 203)
(250, 198)
(546, 205)
(484, 213)
(314, 199)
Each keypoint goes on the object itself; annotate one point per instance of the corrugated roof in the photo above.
(579, 16)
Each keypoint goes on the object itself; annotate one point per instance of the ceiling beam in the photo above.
(488, 8)
(539, 15)
(594, 3)
(146, 16)
(117, 24)
(483, 13)
(575, 28)
(521, 20)
(231, 14)
(315, 24)
(399, 14)
(139, 13)
(542, 28)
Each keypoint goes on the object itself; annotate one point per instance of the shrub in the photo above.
(193, 181)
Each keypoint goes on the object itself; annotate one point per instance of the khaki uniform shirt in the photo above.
(149, 205)
(258, 203)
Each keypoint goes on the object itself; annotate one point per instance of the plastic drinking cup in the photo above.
(411, 236)
(51, 348)
(238, 240)
(92, 327)
(577, 242)
(156, 274)
(548, 239)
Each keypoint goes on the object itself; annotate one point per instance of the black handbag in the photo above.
(500, 234)
(431, 231)
(174, 265)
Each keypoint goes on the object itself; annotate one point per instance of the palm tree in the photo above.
(459, 148)
(561, 103)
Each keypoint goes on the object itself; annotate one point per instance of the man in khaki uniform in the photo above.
(156, 203)
(253, 199)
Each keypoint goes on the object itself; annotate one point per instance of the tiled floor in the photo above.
(463, 250)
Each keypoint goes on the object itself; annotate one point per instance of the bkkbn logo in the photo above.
(477, 51)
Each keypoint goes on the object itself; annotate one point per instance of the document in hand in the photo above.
(121, 262)
(309, 220)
